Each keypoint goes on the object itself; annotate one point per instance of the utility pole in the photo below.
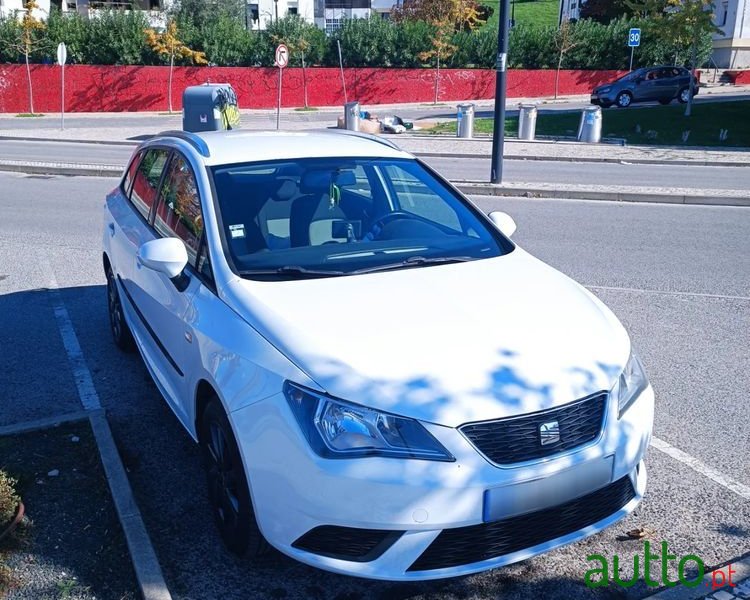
(498, 130)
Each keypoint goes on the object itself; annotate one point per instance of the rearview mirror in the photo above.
(165, 255)
(504, 222)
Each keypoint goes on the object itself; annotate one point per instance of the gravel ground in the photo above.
(71, 545)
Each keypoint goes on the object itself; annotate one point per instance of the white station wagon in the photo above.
(383, 384)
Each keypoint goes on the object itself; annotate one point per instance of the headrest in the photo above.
(315, 182)
(319, 181)
(346, 178)
(286, 191)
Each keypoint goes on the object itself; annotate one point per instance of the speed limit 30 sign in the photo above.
(282, 56)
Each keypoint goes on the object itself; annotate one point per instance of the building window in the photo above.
(333, 24)
(292, 10)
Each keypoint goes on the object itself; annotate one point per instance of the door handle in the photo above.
(111, 228)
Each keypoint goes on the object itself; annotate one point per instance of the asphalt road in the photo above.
(475, 168)
(677, 276)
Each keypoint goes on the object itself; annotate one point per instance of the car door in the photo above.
(667, 83)
(127, 222)
(163, 302)
(647, 88)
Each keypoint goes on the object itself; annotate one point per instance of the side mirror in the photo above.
(504, 222)
(165, 255)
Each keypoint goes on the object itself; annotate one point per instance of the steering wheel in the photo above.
(381, 222)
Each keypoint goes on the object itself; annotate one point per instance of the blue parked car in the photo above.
(662, 84)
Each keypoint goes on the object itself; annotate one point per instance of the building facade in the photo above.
(732, 46)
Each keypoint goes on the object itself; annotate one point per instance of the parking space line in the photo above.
(700, 467)
(45, 422)
(666, 292)
(145, 562)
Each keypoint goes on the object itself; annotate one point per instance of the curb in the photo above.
(71, 169)
(529, 191)
(592, 159)
(14, 138)
(742, 569)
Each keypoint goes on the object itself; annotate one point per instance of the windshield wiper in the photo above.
(415, 261)
(291, 270)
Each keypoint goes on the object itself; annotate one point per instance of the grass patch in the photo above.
(306, 109)
(538, 13)
(657, 125)
(29, 115)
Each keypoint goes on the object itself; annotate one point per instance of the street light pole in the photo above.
(276, 9)
(498, 129)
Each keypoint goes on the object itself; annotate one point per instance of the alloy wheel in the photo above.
(222, 477)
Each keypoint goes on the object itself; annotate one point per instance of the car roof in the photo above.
(239, 146)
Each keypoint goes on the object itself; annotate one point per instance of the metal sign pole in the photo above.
(278, 104)
(62, 57)
(632, 51)
(62, 100)
(498, 130)
(341, 66)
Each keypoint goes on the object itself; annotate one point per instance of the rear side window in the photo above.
(146, 180)
(127, 181)
(179, 210)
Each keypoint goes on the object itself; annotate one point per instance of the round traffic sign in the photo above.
(282, 56)
(62, 53)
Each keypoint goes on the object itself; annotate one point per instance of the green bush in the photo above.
(118, 38)
(8, 498)
(72, 29)
(299, 36)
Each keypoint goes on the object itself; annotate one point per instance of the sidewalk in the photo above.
(419, 143)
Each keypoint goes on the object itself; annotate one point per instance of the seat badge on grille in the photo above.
(549, 433)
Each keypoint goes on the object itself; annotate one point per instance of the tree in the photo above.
(446, 17)
(27, 41)
(564, 43)
(166, 43)
(686, 21)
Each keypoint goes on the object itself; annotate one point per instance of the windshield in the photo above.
(338, 216)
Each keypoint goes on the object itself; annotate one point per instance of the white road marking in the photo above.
(666, 292)
(698, 466)
(81, 374)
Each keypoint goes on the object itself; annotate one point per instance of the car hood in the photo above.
(448, 344)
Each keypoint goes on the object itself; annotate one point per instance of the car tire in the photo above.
(665, 101)
(624, 99)
(120, 331)
(228, 489)
(683, 95)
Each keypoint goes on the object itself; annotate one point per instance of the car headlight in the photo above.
(336, 429)
(604, 90)
(631, 383)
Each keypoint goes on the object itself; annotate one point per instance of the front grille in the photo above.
(517, 439)
(347, 543)
(467, 545)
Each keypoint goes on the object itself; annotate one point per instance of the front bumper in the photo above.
(602, 99)
(294, 492)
